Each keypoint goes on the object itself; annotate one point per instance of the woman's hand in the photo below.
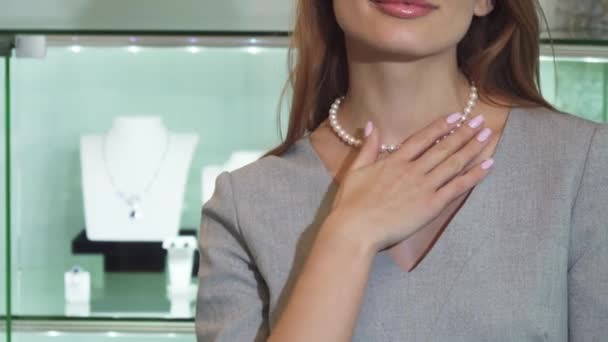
(385, 201)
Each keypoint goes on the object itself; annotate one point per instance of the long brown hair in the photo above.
(500, 52)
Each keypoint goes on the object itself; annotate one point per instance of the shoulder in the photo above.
(553, 135)
(561, 125)
(295, 168)
(566, 148)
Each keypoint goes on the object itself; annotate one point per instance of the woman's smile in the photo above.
(405, 9)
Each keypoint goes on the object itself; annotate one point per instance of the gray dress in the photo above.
(524, 259)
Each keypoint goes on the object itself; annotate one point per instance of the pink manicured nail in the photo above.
(476, 121)
(453, 118)
(368, 128)
(484, 134)
(486, 164)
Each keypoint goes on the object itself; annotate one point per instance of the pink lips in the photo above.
(405, 9)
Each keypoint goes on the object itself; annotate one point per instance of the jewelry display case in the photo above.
(85, 120)
(115, 143)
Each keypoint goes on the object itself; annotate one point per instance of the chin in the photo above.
(375, 27)
(394, 42)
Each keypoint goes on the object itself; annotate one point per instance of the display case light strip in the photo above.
(166, 41)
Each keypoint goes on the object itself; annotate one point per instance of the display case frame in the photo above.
(5, 258)
(591, 51)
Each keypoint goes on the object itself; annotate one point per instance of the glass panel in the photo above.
(70, 194)
(575, 81)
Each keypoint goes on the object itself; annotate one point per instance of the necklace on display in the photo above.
(352, 141)
(134, 201)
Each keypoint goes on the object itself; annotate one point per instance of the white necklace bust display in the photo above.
(133, 180)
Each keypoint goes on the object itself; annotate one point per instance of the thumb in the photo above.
(369, 149)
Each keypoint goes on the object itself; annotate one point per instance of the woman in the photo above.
(337, 235)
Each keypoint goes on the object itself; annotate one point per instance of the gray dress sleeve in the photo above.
(588, 253)
(231, 300)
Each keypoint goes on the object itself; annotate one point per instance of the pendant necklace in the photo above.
(134, 200)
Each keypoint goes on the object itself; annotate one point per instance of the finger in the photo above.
(458, 161)
(461, 184)
(420, 141)
(449, 146)
(369, 149)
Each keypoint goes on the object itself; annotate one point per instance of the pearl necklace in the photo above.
(352, 141)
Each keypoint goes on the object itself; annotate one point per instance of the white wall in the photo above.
(175, 15)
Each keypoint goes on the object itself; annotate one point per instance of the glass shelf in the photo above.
(30, 330)
(58, 336)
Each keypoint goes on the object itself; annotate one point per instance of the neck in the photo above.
(400, 98)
